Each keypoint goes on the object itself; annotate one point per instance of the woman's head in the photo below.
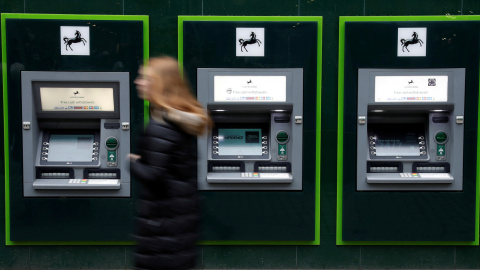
(162, 83)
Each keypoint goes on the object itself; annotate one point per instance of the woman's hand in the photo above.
(133, 157)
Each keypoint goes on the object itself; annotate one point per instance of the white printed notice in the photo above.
(76, 99)
(411, 88)
(250, 88)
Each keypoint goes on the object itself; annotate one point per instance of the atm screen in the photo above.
(70, 147)
(232, 141)
(245, 141)
(401, 140)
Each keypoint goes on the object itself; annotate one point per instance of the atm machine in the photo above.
(76, 133)
(256, 142)
(410, 129)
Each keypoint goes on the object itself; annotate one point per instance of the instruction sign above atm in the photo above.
(411, 88)
(250, 88)
(74, 99)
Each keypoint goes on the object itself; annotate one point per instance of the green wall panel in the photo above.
(14, 258)
(74, 7)
(261, 215)
(251, 257)
(250, 8)
(471, 7)
(411, 217)
(328, 255)
(78, 257)
(330, 9)
(163, 17)
(467, 258)
(408, 257)
(412, 7)
(118, 47)
(12, 6)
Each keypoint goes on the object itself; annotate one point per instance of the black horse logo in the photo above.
(75, 93)
(69, 41)
(414, 40)
(410, 82)
(249, 82)
(253, 39)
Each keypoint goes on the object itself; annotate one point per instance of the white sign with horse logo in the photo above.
(412, 42)
(75, 40)
(250, 41)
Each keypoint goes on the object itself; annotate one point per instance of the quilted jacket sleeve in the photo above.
(156, 148)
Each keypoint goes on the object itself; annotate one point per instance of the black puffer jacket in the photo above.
(168, 210)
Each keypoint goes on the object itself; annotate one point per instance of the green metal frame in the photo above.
(319, 20)
(5, 16)
(341, 62)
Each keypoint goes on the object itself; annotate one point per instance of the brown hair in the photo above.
(169, 89)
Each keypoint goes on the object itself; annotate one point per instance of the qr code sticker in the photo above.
(432, 82)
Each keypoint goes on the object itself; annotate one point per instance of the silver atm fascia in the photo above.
(276, 122)
(106, 175)
(410, 129)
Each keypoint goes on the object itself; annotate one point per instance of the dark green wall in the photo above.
(163, 40)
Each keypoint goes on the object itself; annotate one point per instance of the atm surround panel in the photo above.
(431, 131)
(278, 166)
(108, 130)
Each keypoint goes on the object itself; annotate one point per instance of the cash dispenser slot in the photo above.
(280, 171)
(63, 178)
(388, 167)
(54, 173)
(101, 174)
(263, 172)
(226, 166)
(431, 167)
(273, 167)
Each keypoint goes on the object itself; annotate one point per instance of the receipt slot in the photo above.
(76, 133)
(410, 129)
(256, 142)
